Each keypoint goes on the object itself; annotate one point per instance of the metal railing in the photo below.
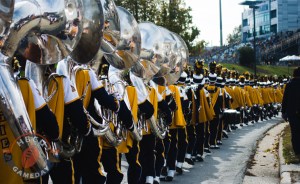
(283, 45)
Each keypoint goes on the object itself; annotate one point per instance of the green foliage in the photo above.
(235, 36)
(288, 152)
(247, 57)
(261, 69)
(171, 14)
(199, 47)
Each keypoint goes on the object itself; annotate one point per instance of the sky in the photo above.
(206, 17)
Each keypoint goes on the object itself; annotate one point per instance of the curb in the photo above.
(285, 176)
(285, 170)
(254, 147)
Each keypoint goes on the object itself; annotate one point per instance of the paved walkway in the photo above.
(228, 164)
(264, 166)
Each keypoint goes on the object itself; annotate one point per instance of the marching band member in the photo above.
(202, 114)
(69, 112)
(147, 144)
(130, 147)
(150, 168)
(178, 122)
(226, 98)
(37, 110)
(217, 103)
(246, 101)
(190, 128)
(108, 155)
(182, 142)
(162, 146)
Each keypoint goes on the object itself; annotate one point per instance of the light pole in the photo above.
(252, 5)
(221, 27)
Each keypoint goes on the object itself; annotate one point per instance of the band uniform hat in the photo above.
(182, 78)
(198, 79)
(212, 77)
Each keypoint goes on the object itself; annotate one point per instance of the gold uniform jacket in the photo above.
(133, 100)
(178, 119)
(7, 175)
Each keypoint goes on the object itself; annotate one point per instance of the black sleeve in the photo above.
(146, 108)
(125, 115)
(285, 99)
(46, 123)
(163, 106)
(104, 99)
(189, 94)
(74, 111)
(171, 103)
(227, 99)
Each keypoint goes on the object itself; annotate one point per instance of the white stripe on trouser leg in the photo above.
(157, 179)
(171, 173)
(149, 179)
(179, 164)
(188, 156)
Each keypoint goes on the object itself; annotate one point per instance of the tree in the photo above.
(199, 47)
(247, 57)
(235, 36)
(171, 14)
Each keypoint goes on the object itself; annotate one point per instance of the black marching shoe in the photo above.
(169, 178)
(233, 127)
(164, 171)
(189, 161)
(207, 151)
(179, 171)
(219, 143)
(199, 158)
(225, 135)
(155, 182)
(214, 147)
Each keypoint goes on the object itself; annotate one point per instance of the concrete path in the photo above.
(264, 166)
(228, 164)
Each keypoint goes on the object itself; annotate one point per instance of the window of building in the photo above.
(274, 28)
(273, 14)
(262, 18)
(245, 22)
(264, 7)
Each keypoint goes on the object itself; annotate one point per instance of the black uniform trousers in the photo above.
(207, 134)
(172, 153)
(159, 156)
(182, 144)
(110, 160)
(86, 163)
(220, 129)
(147, 157)
(191, 138)
(134, 169)
(295, 135)
(213, 126)
(200, 139)
(60, 173)
(111, 164)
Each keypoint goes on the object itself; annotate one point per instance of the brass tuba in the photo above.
(11, 100)
(152, 60)
(38, 74)
(67, 27)
(118, 88)
(69, 69)
(121, 48)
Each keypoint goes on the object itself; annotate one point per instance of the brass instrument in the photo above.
(66, 68)
(11, 100)
(37, 74)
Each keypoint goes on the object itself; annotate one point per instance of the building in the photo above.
(272, 16)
